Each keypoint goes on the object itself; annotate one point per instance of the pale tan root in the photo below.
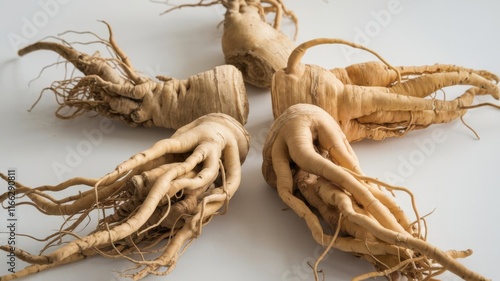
(375, 73)
(159, 198)
(191, 229)
(336, 197)
(427, 85)
(377, 112)
(254, 46)
(37, 264)
(41, 199)
(383, 124)
(306, 150)
(309, 186)
(113, 88)
(279, 8)
(332, 139)
(34, 268)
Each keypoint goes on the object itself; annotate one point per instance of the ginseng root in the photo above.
(310, 162)
(376, 100)
(154, 203)
(112, 88)
(258, 49)
(375, 73)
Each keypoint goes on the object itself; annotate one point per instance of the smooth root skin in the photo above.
(154, 202)
(255, 47)
(290, 138)
(307, 151)
(140, 101)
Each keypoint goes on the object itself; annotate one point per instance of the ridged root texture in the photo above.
(113, 88)
(150, 207)
(376, 100)
(310, 162)
(255, 47)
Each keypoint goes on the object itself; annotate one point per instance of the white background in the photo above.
(457, 177)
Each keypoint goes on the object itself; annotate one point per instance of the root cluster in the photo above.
(155, 203)
(113, 88)
(310, 162)
(256, 47)
(151, 206)
(375, 100)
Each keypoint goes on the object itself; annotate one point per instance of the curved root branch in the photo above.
(158, 200)
(111, 87)
(318, 163)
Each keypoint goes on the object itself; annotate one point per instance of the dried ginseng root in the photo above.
(375, 100)
(257, 48)
(112, 88)
(310, 162)
(151, 206)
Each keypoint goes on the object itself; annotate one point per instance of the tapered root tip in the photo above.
(24, 51)
(495, 92)
(66, 52)
(30, 48)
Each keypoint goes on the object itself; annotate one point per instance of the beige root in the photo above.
(258, 49)
(376, 73)
(113, 88)
(375, 100)
(154, 203)
(307, 153)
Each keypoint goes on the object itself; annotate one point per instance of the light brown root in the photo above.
(249, 42)
(307, 152)
(279, 8)
(299, 52)
(330, 245)
(375, 102)
(252, 45)
(387, 123)
(111, 87)
(156, 202)
(375, 73)
(35, 268)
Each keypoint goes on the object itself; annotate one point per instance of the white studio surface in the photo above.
(448, 169)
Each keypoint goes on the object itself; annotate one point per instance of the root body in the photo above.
(307, 153)
(154, 203)
(249, 42)
(112, 88)
(255, 47)
(376, 100)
